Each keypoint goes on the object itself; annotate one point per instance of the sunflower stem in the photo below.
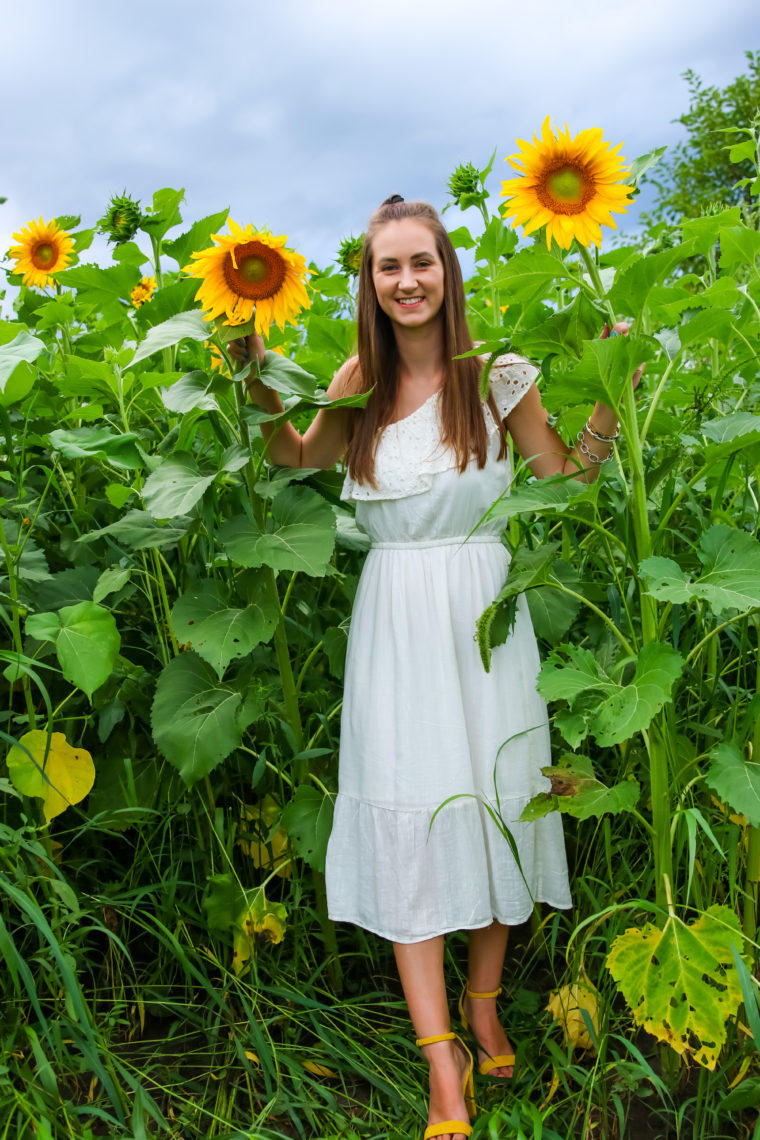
(167, 354)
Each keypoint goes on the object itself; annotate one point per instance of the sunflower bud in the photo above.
(465, 186)
(121, 220)
(350, 255)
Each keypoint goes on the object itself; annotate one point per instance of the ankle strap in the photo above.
(492, 994)
(432, 1040)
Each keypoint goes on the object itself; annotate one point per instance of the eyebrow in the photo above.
(422, 253)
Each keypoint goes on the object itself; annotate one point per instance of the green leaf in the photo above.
(739, 245)
(138, 530)
(730, 578)
(564, 331)
(736, 780)
(542, 496)
(119, 450)
(197, 238)
(307, 818)
(531, 275)
(498, 240)
(303, 539)
(285, 376)
(639, 166)
(197, 721)
(110, 582)
(735, 425)
(183, 326)
(22, 348)
(552, 611)
(219, 633)
(704, 232)
(632, 708)
(461, 238)
(175, 487)
(582, 795)
(164, 214)
(195, 390)
(712, 323)
(86, 641)
(630, 293)
(115, 283)
(560, 680)
(681, 983)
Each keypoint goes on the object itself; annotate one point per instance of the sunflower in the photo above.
(143, 292)
(570, 185)
(250, 272)
(44, 249)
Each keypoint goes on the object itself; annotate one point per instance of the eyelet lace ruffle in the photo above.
(410, 452)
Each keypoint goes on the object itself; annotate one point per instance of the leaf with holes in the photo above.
(681, 983)
(219, 633)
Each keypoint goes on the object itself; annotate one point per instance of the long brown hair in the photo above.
(462, 421)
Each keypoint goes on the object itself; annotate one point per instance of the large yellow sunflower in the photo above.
(44, 249)
(570, 185)
(250, 272)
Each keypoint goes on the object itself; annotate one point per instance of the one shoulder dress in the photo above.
(431, 745)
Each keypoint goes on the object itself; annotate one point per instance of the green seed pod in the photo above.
(465, 186)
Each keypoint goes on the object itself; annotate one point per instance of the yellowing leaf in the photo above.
(267, 851)
(252, 1057)
(681, 982)
(566, 1005)
(64, 778)
(262, 917)
(319, 1070)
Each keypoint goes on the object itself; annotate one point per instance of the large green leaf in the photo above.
(531, 275)
(736, 780)
(632, 287)
(22, 348)
(564, 331)
(217, 632)
(86, 641)
(580, 794)
(681, 983)
(197, 721)
(542, 496)
(118, 449)
(307, 818)
(632, 708)
(175, 487)
(197, 238)
(183, 326)
(114, 283)
(286, 377)
(730, 578)
(739, 245)
(195, 390)
(137, 530)
(303, 538)
(610, 711)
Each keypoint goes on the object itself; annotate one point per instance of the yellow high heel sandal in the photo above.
(504, 1060)
(451, 1127)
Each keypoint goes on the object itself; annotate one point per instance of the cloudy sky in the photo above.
(303, 115)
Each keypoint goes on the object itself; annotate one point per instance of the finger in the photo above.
(605, 332)
(621, 328)
(638, 374)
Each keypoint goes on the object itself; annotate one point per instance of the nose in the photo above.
(408, 277)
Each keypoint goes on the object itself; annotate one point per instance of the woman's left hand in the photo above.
(622, 328)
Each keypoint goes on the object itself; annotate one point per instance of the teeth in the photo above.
(409, 300)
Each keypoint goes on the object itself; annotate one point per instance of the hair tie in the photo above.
(394, 198)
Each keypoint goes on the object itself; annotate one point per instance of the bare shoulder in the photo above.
(347, 381)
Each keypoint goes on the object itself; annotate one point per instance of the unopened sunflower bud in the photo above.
(350, 255)
(121, 220)
(465, 187)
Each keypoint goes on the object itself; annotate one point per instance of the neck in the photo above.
(420, 353)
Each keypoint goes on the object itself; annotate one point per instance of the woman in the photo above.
(422, 724)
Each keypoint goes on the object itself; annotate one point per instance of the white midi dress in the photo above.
(423, 725)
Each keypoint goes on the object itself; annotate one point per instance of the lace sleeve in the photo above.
(511, 376)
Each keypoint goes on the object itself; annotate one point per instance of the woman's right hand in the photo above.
(243, 348)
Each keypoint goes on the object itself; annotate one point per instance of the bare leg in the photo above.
(486, 964)
(420, 967)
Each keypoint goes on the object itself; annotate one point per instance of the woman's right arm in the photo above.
(326, 438)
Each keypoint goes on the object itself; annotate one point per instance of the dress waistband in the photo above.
(422, 544)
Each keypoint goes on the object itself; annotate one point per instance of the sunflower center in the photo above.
(566, 189)
(254, 270)
(43, 254)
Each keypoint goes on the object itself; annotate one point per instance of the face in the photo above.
(407, 272)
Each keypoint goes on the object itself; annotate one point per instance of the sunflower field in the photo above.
(176, 608)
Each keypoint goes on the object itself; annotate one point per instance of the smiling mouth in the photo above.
(409, 300)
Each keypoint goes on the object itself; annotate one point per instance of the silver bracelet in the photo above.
(597, 435)
(584, 449)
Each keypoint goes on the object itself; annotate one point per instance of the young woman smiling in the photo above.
(422, 723)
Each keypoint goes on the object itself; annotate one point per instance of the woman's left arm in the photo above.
(544, 450)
